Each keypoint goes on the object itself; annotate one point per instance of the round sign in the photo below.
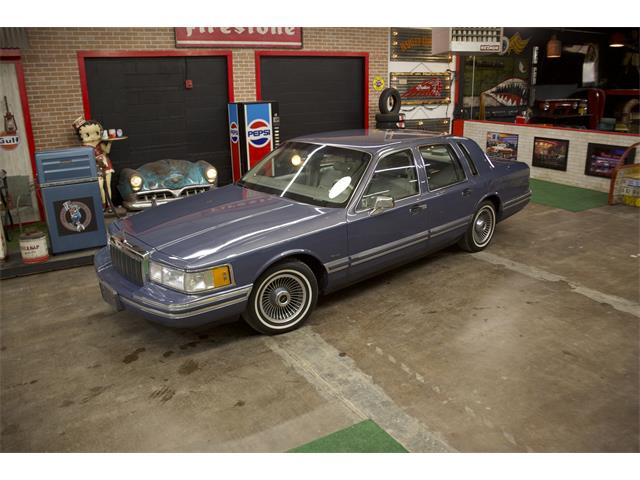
(259, 133)
(75, 216)
(234, 132)
(378, 83)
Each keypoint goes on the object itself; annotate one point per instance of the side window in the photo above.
(395, 176)
(469, 158)
(442, 166)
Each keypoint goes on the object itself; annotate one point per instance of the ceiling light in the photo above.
(554, 47)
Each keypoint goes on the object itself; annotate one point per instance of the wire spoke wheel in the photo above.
(283, 298)
(483, 225)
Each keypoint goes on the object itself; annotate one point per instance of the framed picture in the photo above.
(422, 88)
(550, 153)
(502, 146)
(603, 159)
(413, 45)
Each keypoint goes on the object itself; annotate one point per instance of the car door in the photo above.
(378, 239)
(452, 193)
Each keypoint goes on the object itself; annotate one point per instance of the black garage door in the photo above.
(147, 98)
(316, 94)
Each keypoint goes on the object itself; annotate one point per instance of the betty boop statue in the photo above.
(90, 133)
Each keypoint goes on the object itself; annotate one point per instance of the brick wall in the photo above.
(576, 159)
(53, 81)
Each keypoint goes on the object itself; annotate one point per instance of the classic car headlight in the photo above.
(190, 282)
(136, 182)
(212, 174)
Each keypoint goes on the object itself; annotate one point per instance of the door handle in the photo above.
(466, 192)
(418, 208)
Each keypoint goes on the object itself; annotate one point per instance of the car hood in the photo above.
(219, 224)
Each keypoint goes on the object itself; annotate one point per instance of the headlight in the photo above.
(212, 174)
(190, 282)
(136, 182)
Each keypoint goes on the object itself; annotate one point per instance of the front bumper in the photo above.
(165, 306)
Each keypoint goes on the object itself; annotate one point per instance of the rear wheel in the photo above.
(480, 231)
(282, 298)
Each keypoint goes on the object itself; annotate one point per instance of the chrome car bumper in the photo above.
(168, 307)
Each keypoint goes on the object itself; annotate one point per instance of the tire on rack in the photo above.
(389, 101)
(389, 117)
(282, 298)
(480, 231)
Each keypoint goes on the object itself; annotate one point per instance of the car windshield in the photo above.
(321, 175)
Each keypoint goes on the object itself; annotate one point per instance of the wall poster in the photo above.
(603, 159)
(502, 146)
(550, 153)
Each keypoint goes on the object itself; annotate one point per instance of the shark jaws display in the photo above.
(511, 92)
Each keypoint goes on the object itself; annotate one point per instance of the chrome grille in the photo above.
(166, 195)
(127, 265)
(188, 191)
(148, 197)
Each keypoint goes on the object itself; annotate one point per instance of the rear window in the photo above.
(442, 166)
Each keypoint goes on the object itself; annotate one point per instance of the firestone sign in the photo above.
(248, 37)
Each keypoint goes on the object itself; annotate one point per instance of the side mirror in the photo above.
(382, 203)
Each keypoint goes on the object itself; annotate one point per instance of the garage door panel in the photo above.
(147, 98)
(315, 93)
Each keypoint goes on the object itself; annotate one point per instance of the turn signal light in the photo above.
(221, 276)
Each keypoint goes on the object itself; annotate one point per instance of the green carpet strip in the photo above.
(363, 437)
(565, 197)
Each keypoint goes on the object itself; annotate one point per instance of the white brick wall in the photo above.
(576, 160)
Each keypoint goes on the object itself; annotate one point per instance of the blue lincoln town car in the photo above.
(315, 215)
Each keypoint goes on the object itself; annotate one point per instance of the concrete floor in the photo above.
(531, 345)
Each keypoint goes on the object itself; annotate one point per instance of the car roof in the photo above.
(373, 140)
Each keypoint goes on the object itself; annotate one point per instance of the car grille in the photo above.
(187, 192)
(168, 195)
(148, 197)
(129, 266)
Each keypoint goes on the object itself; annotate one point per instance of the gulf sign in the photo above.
(9, 141)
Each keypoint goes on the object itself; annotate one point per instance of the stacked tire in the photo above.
(389, 116)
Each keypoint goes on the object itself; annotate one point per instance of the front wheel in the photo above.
(480, 231)
(282, 298)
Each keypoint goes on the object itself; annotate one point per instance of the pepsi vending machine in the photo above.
(254, 131)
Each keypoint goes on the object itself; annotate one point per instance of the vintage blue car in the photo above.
(162, 181)
(317, 214)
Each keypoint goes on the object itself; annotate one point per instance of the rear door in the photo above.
(452, 192)
(379, 240)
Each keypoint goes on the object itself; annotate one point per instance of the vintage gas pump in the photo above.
(254, 131)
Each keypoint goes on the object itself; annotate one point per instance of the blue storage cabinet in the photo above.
(71, 197)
